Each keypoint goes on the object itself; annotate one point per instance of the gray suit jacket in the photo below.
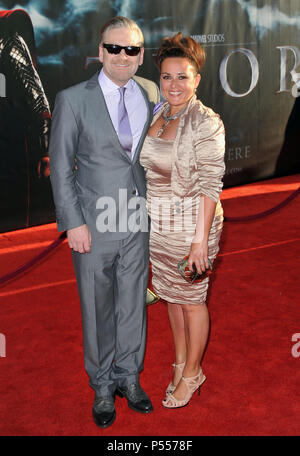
(82, 133)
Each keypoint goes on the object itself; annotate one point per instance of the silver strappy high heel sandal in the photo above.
(192, 384)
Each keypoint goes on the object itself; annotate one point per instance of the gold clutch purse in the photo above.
(151, 298)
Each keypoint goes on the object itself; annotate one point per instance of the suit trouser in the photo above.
(112, 282)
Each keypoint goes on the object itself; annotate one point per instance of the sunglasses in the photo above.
(116, 49)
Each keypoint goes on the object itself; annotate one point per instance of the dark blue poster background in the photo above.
(251, 77)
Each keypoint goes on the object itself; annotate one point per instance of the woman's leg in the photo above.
(196, 324)
(178, 330)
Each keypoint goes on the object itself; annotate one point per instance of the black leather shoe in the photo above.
(136, 397)
(104, 412)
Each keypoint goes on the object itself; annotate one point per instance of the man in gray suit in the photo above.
(97, 132)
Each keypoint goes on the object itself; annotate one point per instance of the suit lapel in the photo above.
(99, 109)
(98, 105)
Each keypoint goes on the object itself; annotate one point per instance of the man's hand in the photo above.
(80, 239)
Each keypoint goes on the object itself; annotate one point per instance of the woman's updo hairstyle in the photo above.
(181, 46)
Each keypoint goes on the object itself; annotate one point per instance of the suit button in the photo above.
(134, 192)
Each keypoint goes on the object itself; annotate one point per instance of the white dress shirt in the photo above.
(134, 102)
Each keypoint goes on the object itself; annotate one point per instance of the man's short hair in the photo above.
(121, 21)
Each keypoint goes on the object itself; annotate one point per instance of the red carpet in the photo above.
(252, 385)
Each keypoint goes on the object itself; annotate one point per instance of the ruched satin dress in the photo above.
(173, 223)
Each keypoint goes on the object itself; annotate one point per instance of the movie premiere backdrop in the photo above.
(250, 78)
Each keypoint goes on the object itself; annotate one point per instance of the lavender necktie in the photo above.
(125, 135)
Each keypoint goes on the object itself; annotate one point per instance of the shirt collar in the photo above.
(108, 86)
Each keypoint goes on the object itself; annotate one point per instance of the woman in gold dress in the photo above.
(183, 156)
